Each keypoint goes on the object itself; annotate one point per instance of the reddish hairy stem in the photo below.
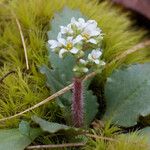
(77, 102)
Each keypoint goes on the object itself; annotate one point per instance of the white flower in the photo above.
(94, 56)
(73, 38)
(55, 43)
(82, 61)
(66, 29)
(69, 45)
(89, 29)
(80, 24)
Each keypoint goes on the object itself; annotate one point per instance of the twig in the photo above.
(6, 75)
(62, 91)
(56, 146)
(129, 51)
(89, 76)
(101, 137)
(21, 33)
(50, 98)
(23, 41)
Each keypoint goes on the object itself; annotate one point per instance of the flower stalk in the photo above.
(77, 102)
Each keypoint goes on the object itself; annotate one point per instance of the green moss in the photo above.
(116, 140)
(123, 142)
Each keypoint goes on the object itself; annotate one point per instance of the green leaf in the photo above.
(24, 128)
(145, 131)
(12, 139)
(61, 74)
(127, 93)
(56, 81)
(53, 127)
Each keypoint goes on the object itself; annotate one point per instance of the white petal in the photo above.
(79, 38)
(90, 27)
(67, 29)
(62, 41)
(81, 20)
(96, 53)
(59, 35)
(80, 24)
(70, 30)
(95, 33)
(53, 43)
(69, 39)
(69, 26)
(92, 30)
(61, 52)
(85, 70)
(93, 22)
(90, 57)
(93, 41)
(63, 29)
(82, 61)
(73, 20)
(94, 56)
(74, 50)
(96, 61)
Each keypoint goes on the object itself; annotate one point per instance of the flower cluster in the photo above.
(78, 37)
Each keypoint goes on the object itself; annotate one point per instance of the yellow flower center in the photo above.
(69, 46)
(86, 36)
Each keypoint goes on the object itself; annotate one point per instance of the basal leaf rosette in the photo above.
(83, 40)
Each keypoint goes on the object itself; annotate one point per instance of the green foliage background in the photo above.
(25, 88)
